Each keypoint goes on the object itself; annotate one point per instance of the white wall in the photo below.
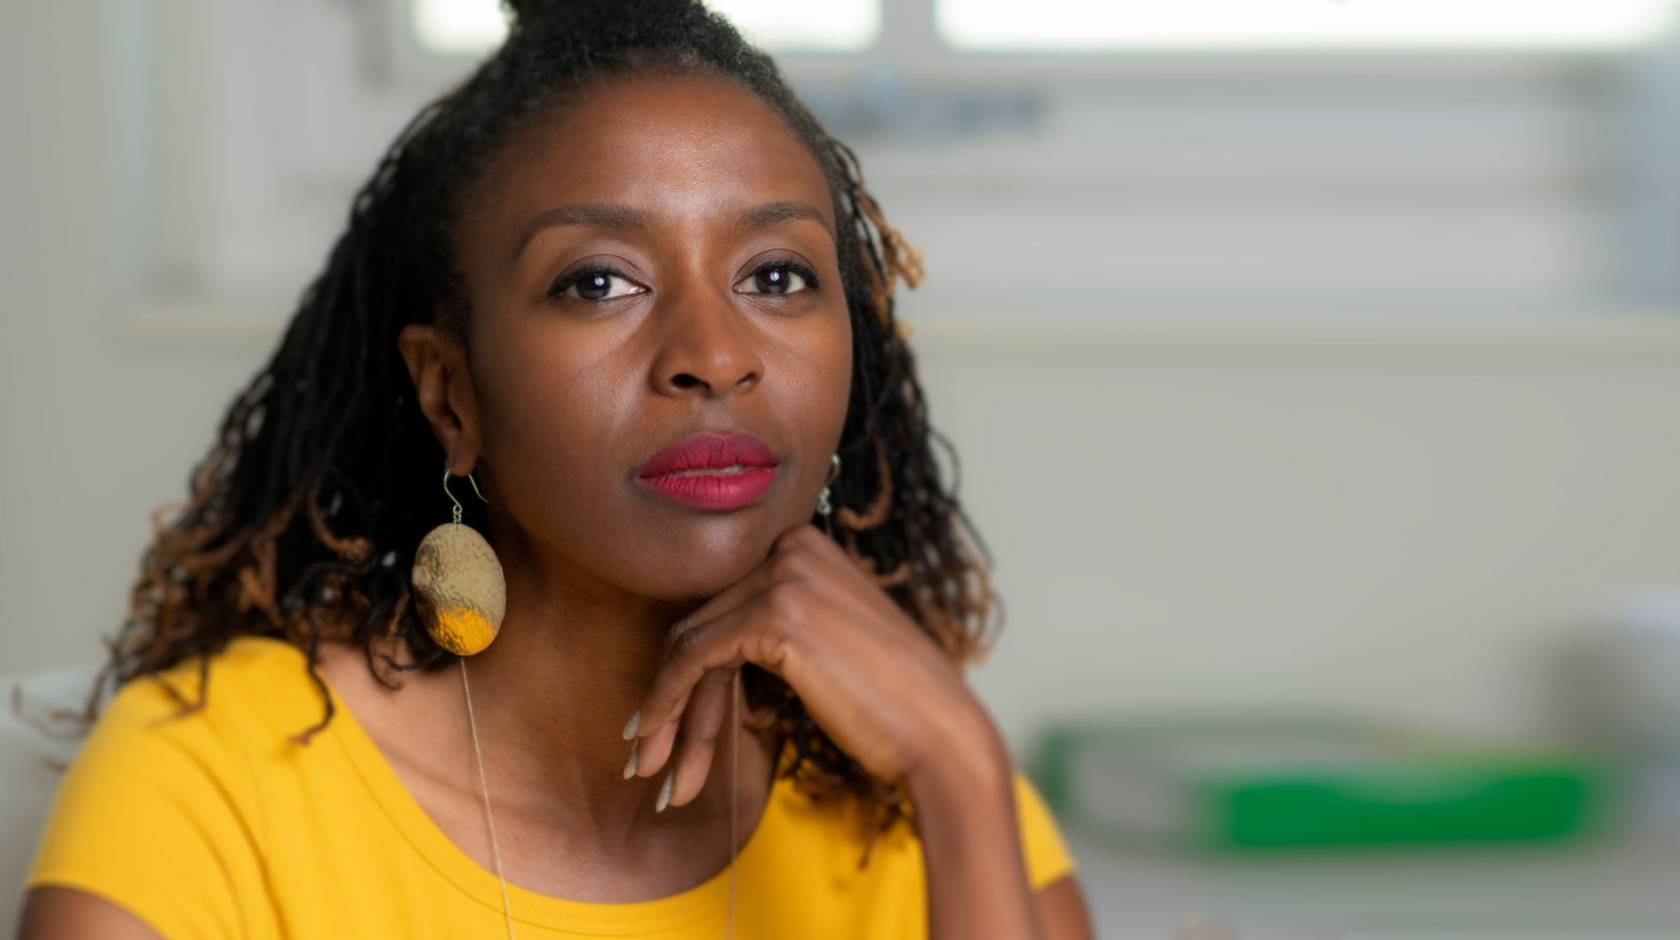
(1399, 527)
(98, 428)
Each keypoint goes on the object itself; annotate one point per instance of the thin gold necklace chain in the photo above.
(490, 819)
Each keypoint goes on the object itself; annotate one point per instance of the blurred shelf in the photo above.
(1622, 887)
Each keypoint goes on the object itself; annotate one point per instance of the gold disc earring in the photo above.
(459, 582)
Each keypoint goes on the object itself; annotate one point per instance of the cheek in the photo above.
(838, 375)
(809, 366)
(816, 385)
(552, 410)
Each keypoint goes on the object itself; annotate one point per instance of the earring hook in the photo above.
(455, 512)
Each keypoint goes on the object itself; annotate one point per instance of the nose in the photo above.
(706, 348)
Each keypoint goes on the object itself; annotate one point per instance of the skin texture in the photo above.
(620, 601)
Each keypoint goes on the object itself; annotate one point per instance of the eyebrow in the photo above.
(786, 210)
(616, 217)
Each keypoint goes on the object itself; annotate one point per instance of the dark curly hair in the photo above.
(304, 516)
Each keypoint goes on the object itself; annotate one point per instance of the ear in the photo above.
(437, 363)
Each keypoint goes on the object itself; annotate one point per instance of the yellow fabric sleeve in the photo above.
(148, 816)
(1043, 849)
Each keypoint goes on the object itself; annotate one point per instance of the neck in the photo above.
(552, 694)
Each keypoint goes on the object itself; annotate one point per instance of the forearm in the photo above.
(964, 801)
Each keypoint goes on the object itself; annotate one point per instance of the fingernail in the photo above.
(664, 793)
(630, 765)
(631, 725)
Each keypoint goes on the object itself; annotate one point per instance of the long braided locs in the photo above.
(302, 519)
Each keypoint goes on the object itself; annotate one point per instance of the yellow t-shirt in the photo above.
(216, 825)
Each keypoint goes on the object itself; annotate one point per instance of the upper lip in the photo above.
(709, 450)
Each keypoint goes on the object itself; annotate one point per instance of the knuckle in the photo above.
(665, 700)
(686, 642)
(786, 604)
(792, 564)
(799, 535)
(771, 646)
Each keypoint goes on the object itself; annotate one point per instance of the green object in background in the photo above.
(1288, 782)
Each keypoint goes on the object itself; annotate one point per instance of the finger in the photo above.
(702, 720)
(803, 535)
(779, 565)
(652, 747)
(736, 594)
(747, 633)
(805, 552)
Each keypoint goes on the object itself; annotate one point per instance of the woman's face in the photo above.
(652, 260)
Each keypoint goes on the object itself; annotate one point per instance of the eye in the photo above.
(595, 284)
(778, 277)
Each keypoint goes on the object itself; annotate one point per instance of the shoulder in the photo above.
(202, 715)
(201, 722)
(249, 670)
(160, 810)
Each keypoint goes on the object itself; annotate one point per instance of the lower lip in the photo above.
(713, 490)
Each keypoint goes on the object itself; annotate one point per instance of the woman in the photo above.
(637, 301)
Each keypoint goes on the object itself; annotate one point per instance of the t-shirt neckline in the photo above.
(602, 918)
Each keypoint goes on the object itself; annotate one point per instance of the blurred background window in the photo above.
(454, 27)
(1190, 25)
(474, 27)
(1064, 164)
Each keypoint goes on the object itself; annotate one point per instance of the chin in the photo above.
(685, 566)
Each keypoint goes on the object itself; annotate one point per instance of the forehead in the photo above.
(691, 146)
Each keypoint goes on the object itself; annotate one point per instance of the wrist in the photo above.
(966, 756)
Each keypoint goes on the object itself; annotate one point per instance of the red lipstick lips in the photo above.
(711, 471)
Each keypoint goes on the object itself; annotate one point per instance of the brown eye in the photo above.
(778, 277)
(595, 284)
